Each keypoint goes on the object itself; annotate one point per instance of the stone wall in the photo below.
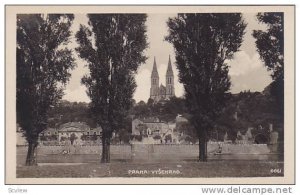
(153, 151)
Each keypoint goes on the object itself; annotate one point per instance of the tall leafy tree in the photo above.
(43, 65)
(270, 46)
(203, 43)
(112, 45)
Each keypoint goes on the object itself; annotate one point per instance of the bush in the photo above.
(63, 139)
(168, 138)
(137, 137)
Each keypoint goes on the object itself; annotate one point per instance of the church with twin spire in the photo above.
(161, 92)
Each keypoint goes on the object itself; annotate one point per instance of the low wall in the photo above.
(245, 149)
(163, 152)
(152, 151)
(143, 151)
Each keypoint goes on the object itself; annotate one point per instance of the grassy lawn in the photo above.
(124, 168)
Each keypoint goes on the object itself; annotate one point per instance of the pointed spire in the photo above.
(169, 70)
(154, 70)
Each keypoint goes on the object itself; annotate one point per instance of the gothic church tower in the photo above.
(170, 92)
(154, 90)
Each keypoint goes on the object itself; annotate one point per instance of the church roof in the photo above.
(162, 86)
(169, 69)
(154, 70)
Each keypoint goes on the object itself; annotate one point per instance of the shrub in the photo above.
(157, 137)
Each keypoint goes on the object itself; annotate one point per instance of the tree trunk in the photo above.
(31, 154)
(105, 148)
(108, 151)
(202, 149)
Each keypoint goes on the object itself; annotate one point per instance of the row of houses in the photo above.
(77, 129)
(73, 132)
(79, 132)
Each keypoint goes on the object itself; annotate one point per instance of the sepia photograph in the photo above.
(125, 94)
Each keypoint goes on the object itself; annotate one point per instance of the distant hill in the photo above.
(66, 111)
(243, 110)
(249, 110)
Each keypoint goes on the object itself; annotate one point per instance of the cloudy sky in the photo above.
(246, 69)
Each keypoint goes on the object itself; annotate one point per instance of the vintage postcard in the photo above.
(150, 94)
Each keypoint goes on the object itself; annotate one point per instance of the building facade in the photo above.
(71, 133)
(161, 92)
(148, 126)
(154, 131)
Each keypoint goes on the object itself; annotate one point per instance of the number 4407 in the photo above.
(275, 170)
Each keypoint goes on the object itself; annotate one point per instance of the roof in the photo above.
(50, 130)
(137, 120)
(180, 118)
(154, 70)
(169, 69)
(162, 87)
(74, 126)
(149, 120)
(97, 129)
